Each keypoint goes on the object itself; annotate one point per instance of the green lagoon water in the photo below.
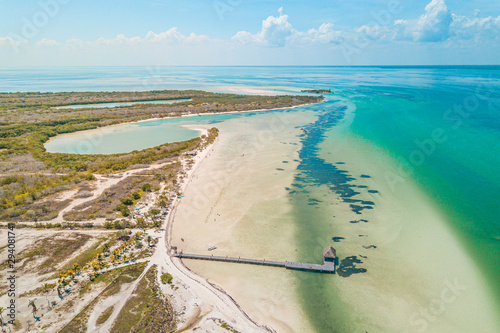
(125, 138)
(436, 127)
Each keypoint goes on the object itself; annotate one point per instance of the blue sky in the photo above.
(249, 32)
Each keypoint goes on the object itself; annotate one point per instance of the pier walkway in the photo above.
(327, 267)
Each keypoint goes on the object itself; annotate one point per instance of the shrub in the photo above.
(128, 201)
(166, 278)
(118, 225)
(123, 209)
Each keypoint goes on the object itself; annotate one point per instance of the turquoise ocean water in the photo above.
(440, 125)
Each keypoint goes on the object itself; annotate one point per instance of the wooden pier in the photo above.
(328, 266)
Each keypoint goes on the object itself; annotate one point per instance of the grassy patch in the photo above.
(51, 251)
(147, 310)
(128, 276)
(105, 315)
(225, 326)
(120, 275)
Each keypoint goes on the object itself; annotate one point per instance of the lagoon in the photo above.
(124, 138)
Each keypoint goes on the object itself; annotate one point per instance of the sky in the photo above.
(249, 32)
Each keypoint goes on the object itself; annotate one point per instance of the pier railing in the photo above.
(327, 267)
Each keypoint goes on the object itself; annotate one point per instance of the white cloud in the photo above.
(436, 25)
(9, 42)
(377, 32)
(324, 34)
(47, 42)
(476, 27)
(74, 43)
(167, 37)
(174, 35)
(433, 26)
(118, 40)
(275, 31)
(278, 31)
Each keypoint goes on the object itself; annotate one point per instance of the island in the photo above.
(317, 91)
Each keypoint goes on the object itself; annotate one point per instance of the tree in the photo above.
(123, 208)
(34, 309)
(149, 240)
(65, 282)
(76, 268)
(154, 212)
(146, 187)
(46, 287)
(128, 200)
